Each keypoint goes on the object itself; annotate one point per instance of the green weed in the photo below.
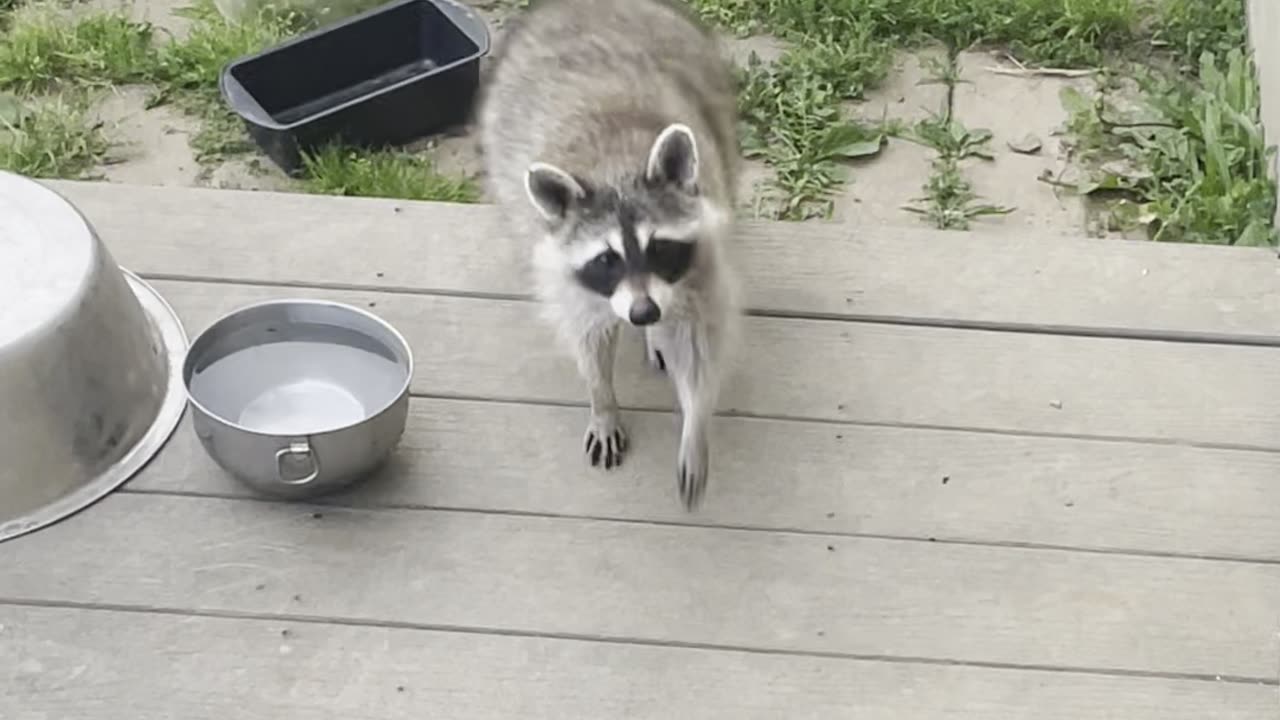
(45, 47)
(53, 137)
(1194, 167)
(792, 121)
(186, 71)
(342, 171)
(1194, 27)
(950, 202)
(792, 109)
(6, 12)
(952, 139)
(1061, 32)
(307, 14)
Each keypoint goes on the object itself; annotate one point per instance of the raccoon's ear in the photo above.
(674, 158)
(552, 191)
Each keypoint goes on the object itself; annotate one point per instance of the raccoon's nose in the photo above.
(645, 312)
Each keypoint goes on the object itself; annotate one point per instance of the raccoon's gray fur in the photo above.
(610, 142)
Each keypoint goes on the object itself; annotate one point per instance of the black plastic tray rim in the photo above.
(464, 17)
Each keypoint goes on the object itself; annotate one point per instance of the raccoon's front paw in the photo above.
(692, 472)
(654, 358)
(606, 441)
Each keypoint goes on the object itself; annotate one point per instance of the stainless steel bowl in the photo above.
(90, 363)
(299, 398)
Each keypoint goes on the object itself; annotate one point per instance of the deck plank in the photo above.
(101, 665)
(900, 273)
(814, 477)
(718, 587)
(870, 372)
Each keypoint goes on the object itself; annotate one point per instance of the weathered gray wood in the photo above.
(660, 583)
(817, 477)
(97, 665)
(845, 371)
(908, 273)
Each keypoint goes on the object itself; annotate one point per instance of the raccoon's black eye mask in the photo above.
(668, 260)
(603, 273)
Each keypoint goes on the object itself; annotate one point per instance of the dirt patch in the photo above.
(1016, 108)
(153, 145)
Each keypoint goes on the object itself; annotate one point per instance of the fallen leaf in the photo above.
(1126, 169)
(979, 136)
(866, 148)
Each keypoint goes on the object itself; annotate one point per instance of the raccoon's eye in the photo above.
(607, 260)
(669, 259)
(602, 273)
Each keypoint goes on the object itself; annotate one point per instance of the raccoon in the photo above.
(609, 136)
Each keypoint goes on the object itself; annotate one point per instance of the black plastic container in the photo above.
(384, 77)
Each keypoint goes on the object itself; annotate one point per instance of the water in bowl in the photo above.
(298, 387)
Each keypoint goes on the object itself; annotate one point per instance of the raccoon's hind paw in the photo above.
(606, 441)
(692, 473)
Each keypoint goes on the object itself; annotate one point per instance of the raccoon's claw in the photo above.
(692, 474)
(656, 361)
(606, 443)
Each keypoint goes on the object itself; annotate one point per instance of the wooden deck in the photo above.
(956, 478)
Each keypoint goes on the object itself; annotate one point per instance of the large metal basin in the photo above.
(90, 362)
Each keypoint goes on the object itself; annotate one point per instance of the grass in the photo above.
(1192, 165)
(1194, 173)
(1062, 32)
(187, 74)
(47, 64)
(1192, 28)
(792, 120)
(186, 71)
(950, 202)
(1199, 178)
(54, 137)
(337, 170)
(793, 109)
(44, 49)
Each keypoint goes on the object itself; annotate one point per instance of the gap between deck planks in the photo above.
(842, 371)
(806, 477)
(105, 665)
(661, 584)
(897, 274)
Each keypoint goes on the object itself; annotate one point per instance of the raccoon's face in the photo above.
(631, 245)
(634, 264)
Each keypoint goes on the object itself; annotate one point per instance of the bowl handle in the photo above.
(302, 451)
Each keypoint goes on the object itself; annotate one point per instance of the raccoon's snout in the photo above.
(644, 311)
